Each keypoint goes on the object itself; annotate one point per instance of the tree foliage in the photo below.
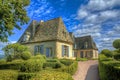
(11, 13)
(14, 51)
(116, 44)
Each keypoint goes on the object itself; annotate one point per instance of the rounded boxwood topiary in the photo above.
(117, 56)
(26, 55)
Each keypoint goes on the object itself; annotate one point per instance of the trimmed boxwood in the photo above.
(117, 56)
(32, 65)
(16, 65)
(70, 69)
(52, 75)
(26, 55)
(53, 65)
(8, 75)
(66, 62)
(109, 69)
(25, 76)
(52, 60)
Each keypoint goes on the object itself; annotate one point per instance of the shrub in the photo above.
(81, 59)
(40, 57)
(16, 64)
(9, 58)
(53, 65)
(25, 76)
(26, 55)
(8, 75)
(66, 62)
(107, 53)
(32, 65)
(117, 56)
(109, 69)
(52, 75)
(2, 61)
(52, 60)
(70, 69)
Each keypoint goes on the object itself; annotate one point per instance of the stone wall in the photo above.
(59, 50)
(89, 53)
(50, 44)
(56, 48)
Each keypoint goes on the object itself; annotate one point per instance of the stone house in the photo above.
(85, 47)
(50, 38)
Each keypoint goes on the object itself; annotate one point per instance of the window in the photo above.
(39, 49)
(49, 52)
(81, 54)
(65, 51)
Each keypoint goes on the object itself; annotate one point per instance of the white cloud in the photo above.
(101, 20)
(94, 5)
(82, 14)
(40, 8)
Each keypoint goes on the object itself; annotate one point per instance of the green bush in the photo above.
(52, 75)
(81, 59)
(25, 76)
(52, 60)
(107, 52)
(8, 75)
(2, 61)
(15, 64)
(26, 55)
(70, 69)
(117, 56)
(53, 65)
(40, 57)
(9, 58)
(32, 65)
(109, 69)
(66, 62)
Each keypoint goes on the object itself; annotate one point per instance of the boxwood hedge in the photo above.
(52, 75)
(109, 69)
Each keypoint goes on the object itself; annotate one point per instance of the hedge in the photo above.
(117, 56)
(81, 59)
(66, 62)
(25, 76)
(52, 75)
(109, 69)
(32, 65)
(15, 65)
(8, 75)
(70, 69)
(53, 65)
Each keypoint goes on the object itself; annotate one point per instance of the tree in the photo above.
(107, 52)
(116, 44)
(12, 12)
(14, 51)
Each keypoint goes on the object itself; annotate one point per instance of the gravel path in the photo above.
(87, 70)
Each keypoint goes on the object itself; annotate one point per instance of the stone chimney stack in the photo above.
(41, 21)
(34, 23)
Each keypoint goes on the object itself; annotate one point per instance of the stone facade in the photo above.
(85, 47)
(51, 38)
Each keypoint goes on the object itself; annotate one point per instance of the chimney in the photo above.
(41, 21)
(34, 23)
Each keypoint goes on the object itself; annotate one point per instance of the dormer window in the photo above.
(26, 37)
(86, 45)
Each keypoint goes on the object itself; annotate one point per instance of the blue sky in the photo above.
(98, 18)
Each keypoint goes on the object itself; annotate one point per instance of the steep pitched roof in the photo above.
(50, 30)
(85, 42)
